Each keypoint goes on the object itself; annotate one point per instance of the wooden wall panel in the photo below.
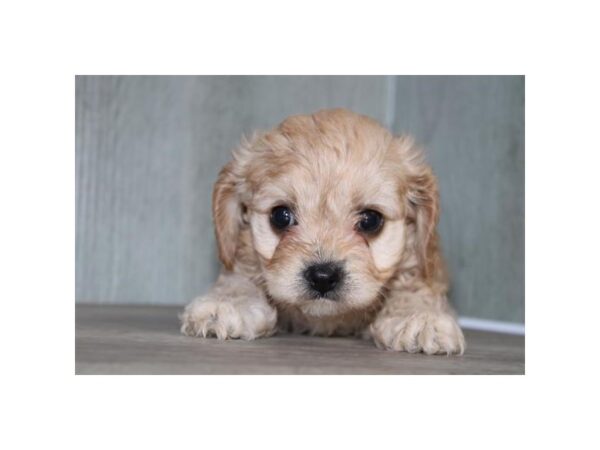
(148, 150)
(473, 131)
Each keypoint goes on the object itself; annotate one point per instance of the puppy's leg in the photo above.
(418, 321)
(234, 308)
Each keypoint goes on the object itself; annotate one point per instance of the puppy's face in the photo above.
(332, 208)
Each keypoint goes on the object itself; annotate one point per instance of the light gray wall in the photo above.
(148, 150)
(473, 130)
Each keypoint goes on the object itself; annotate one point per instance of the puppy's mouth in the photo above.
(315, 295)
(323, 280)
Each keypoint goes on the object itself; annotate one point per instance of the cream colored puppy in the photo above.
(327, 225)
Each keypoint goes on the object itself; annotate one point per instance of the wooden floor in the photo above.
(146, 340)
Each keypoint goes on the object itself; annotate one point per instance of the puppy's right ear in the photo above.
(227, 214)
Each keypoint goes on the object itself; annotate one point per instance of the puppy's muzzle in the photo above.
(324, 277)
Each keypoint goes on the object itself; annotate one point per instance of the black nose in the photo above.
(323, 277)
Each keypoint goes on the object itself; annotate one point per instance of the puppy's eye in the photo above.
(369, 221)
(282, 217)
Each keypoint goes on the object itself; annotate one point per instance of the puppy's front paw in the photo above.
(228, 318)
(427, 332)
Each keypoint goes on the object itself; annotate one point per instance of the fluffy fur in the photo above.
(328, 167)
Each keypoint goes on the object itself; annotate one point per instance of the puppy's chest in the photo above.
(293, 320)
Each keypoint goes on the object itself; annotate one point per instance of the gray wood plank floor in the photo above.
(146, 340)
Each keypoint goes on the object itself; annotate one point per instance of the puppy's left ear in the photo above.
(423, 207)
(227, 214)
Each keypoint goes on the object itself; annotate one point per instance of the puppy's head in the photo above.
(330, 207)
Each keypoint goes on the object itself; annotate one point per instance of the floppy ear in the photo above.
(423, 199)
(227, 215)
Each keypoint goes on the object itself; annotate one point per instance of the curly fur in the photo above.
(329, 166)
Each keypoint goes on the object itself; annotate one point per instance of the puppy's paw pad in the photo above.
(431, 333)
(226, 319)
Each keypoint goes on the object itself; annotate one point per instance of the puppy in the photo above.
(327, 225)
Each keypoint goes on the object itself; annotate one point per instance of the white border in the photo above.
(47, 43)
